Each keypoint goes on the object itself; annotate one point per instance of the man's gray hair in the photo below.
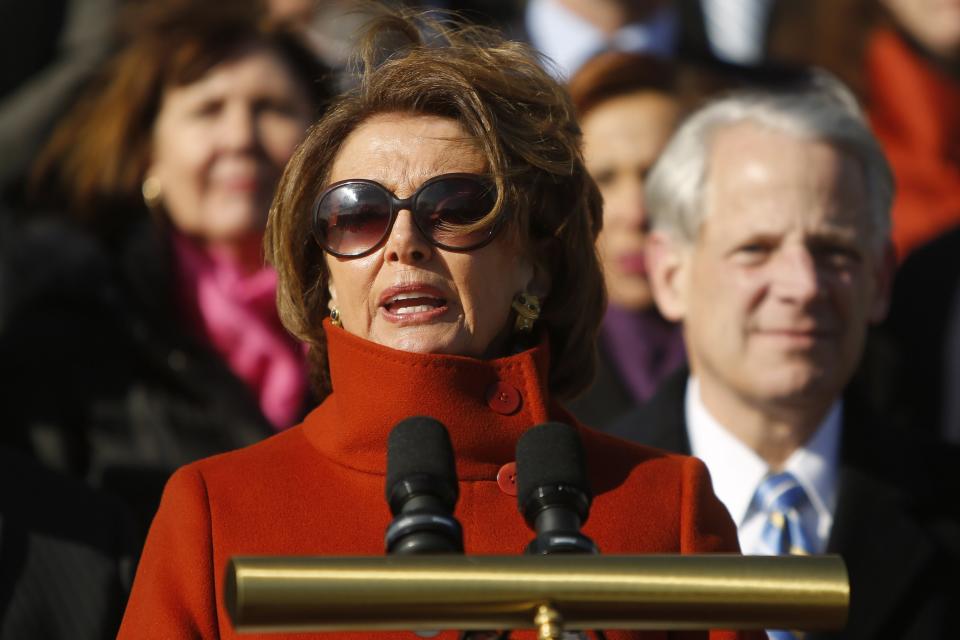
(822, 108)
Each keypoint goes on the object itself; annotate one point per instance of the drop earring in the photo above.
(527, 307)
(335, 317)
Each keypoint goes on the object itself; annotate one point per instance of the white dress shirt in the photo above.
(569, 40)
(737, 29)
(736, 471)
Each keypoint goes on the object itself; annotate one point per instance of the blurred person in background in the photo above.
(331, 27)
(328, 27)
(913, 98)
(770, 243)
(628, 106)
(65, 550)
(151, 338)
(924, 330)
(570, 32)
(913, 81)
(730, 36)
(50, 50)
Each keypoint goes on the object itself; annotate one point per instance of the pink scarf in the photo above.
(236, 312)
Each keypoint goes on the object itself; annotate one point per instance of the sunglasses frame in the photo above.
(408, 203)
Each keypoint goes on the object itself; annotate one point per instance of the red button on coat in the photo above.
(507, 478)
(503, 398)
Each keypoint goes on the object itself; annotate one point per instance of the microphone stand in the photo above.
(554, 497)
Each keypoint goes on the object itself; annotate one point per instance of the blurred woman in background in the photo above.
(155, 340)
(913, 80)
(913, 99)
(628, 106)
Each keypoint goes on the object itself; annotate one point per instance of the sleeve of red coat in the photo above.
(172, 594)
(706, 527)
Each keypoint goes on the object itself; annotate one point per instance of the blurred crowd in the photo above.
(141, 142)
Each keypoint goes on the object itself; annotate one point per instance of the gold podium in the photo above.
(421, 593)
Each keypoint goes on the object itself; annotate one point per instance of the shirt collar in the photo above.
(569, 40)
(815, 464)
(736, 470)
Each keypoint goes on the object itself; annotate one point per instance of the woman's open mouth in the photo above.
(414, 305)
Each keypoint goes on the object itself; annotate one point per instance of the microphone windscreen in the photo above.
(550, 454)
(420, 445)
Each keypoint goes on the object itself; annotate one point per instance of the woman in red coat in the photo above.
(434, 237)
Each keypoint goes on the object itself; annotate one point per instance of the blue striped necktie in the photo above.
(781, 497)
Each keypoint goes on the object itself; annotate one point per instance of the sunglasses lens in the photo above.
(449, 210)
(352, 218)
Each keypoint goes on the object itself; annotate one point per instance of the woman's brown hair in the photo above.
(523, 123)
(616, 73)
(94, 163)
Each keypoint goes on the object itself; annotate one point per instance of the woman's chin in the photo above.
(632, 294)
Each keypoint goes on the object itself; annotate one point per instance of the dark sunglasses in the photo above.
(353, 217)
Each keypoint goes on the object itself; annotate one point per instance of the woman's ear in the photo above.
(667, 269)
(332, 291)
(540, 280)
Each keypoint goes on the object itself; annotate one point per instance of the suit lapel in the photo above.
(660, 423)
(884, 548)
(607, 399)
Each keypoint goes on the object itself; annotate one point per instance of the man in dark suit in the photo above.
(770, 213)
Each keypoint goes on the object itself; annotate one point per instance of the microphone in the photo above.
(421, 489)
(552, 489)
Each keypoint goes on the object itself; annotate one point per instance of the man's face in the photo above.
(778, 289)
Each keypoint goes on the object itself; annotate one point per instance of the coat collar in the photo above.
(911, 100)
(485, 404)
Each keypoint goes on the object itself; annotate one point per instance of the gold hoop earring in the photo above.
(527, 307)
(152, 192)
(335, 317)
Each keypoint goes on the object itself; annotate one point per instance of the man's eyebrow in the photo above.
(835, 234)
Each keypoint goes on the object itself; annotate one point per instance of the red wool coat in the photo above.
(319, 488)
(915, 112)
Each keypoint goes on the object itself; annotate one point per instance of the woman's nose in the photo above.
(238, 129)
(406, 244)
(624, 209)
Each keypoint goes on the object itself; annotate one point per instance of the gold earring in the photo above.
(152, 192)
(527, 307)
(335, 317)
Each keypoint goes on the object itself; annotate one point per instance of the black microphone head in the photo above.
(547, 455)
(419, 448)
